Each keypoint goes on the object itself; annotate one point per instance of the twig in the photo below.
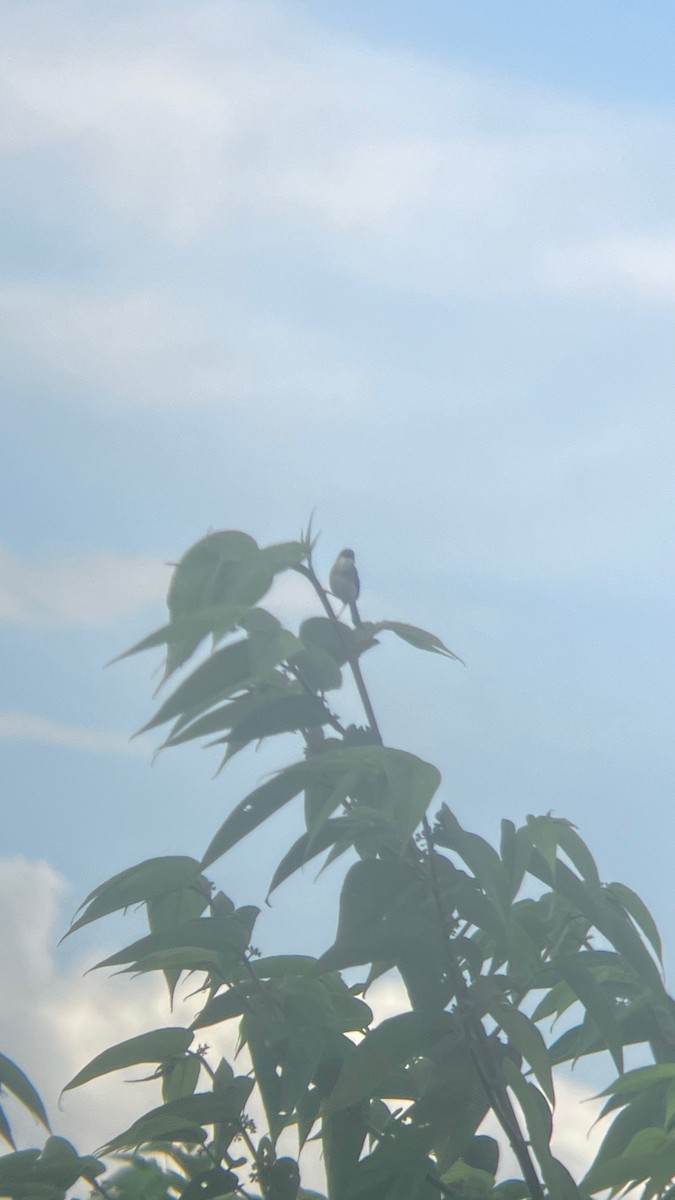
(331, 719)
(352, 659)
(479, 1045)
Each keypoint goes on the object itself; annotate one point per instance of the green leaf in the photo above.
(576, 974)
(227, 715)
(173, 909)
(577, 851)
(527, 1039)
(308, 847)
(221, 934)
(642, 1112)
(281, 1180)
(188, 632)
(222, 570)
(221, 1008)
(631, 1169)
(471, 1181)
(342, 1138)
(223, 672)
(399, 1169)
(207, 573)
(410, 633)
(13, 1079)
(394, 781)
(641, 1079)
(393, 1043)
(181, 1078)
(557, 1000)
(538, 1119)
(335, 639)
(281, 714)
(318, 670)
(283, 556)
(254, 809)
(6, 1130)
(181, 1120)
(481, 858)
(543, 832)
(154, 877)
(159, 1045)
(213, 1184)
(515, 856)
(608, 916)
(637, 909)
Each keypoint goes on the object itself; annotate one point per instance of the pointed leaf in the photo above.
(335, 639)
(306, 848)
(156, 1046)
(13, 1079)
(318, 671)
(282, 556)
(393, 1043)
(576, 974)
(577, 851)
(223, 672)
(227, 715)
(637, 909)
(154, 877)
(410, 633)
(481, 858)
(221, 934)
(189, 631)
(527, 1039)
(181, 1120)
(5, 1130)
(281, 714)
(181, 1078)
(254, 809)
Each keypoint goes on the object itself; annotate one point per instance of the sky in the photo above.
(410, 267)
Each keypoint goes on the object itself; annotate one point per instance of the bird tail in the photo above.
(356, 620)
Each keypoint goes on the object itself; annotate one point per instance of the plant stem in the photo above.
(352, 658)
(478, 1041)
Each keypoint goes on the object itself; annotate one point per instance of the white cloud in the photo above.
(28, 727)
(245, 131)
(218, 120)
(143, 349)
(93, 590)
(54, 1019)
(626, 266)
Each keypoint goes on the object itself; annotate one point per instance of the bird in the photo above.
(344, 582)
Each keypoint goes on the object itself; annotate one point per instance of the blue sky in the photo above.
(413, 267)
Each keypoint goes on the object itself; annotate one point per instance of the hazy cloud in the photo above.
(223, 120)
(624, 267)
(92, 590)
(143, 349)
(28, 727)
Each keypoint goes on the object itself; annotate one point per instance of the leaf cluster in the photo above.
(490, 948)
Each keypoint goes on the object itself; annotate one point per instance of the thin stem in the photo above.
(330, 718)
(478, 1041)
(352, 658)
(99, 1188)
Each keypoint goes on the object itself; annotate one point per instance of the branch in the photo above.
(479, 1043)
(352, 658)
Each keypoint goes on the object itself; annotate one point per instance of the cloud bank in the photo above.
(90, 590)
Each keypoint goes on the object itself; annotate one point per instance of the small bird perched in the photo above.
(344, 582)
